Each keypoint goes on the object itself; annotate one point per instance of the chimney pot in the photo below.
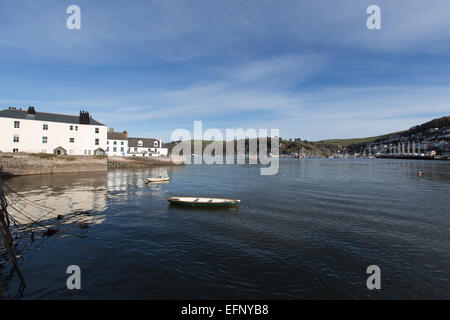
(84, 117)
(31, 110)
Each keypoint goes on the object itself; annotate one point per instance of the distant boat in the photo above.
(204, 202)
(159, 179)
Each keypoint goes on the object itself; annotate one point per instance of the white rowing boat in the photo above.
(158, 179)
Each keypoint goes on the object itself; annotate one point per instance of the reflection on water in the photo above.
(308, 232)
(45, 197)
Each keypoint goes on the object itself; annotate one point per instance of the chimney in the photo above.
(84, 117)
(126, 134)
(31, 110)
(111, 129)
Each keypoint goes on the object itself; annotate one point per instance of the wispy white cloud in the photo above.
(183, 30)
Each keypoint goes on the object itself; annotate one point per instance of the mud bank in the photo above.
(141, 162)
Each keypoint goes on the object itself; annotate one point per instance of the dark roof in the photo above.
(146, 142)
(44, 116)
(117, 135)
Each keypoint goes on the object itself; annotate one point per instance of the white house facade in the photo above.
(117, 143)
(146, 147)
(40, 132)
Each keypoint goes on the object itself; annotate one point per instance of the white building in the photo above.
(117, 143)
(40, 132)
(146, 147)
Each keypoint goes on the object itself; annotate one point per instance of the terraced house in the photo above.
(117, 143)
(146, 147)
(41, 132)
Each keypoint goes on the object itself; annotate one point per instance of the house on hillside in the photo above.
(146, 147)
(41, 132)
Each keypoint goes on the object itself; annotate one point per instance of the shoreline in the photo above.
(22, 164)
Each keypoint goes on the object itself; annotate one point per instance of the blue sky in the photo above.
(309, 68)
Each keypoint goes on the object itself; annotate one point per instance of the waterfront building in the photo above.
(41, 132)
(117, 143)
(146, 147)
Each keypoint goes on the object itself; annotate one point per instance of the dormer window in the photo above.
(140, 143)
(155, 143)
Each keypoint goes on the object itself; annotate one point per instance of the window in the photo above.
(72, 140)
(15, 150)
(114, 149)
(121, 149)
(140, 143)
(115, 142)
(135, 149)
(16, 124)
(85, 151)
(76, 128)
(107, 148)
(97, 142)
(89, 151)
(97, 130)
(45, 126)
(121, 143)
(71, 127)
(16, 138)
(44, 139)
(107, 142)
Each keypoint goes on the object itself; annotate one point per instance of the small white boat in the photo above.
(158, 179)
(203, 202)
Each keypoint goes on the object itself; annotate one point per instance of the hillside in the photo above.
(335, 144)
(287, 147)
(329, 146)
(343, 143)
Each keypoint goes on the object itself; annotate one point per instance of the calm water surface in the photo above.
(308, 232)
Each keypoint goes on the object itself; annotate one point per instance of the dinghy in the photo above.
(159, 179)
(203, 202)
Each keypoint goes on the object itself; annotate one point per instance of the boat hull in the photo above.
(203, 202)
(158, 179)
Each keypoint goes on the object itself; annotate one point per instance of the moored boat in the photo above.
(158, 179)
(204, 202)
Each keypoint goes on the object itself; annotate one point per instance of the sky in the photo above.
(311, 69)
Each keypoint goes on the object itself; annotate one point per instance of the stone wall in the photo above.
(17, 164)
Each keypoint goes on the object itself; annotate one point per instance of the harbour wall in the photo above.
(18, 164)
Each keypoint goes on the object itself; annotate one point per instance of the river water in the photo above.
(310, 231)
